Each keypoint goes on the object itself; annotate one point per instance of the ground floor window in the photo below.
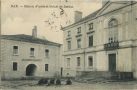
(90, 61)
(68, 62)
(15, 65)
(46, 67)
(78, 61)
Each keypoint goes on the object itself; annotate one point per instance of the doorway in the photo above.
(31, 69)
(112, 62)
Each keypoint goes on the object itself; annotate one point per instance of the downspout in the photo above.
(0, 45)
(132, 54)
(85, 47)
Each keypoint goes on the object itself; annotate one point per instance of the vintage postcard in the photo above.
(68, 45)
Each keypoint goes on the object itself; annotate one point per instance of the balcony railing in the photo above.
(111, 46)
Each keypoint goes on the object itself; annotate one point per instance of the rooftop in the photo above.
(93, 15)
(28, 38)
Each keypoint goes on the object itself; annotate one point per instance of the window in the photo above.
(15, 50)
(14, 66)
(79, 43)
(90, 26)
(78, 30)
(78, 61)
(46, 67)
(68, 62)
(47, 53)
(113, 30)
(69, 45)
(69, 33)
(90, 41)
(31, 51)
(90, 61)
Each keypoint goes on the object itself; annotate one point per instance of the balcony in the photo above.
(111, 46)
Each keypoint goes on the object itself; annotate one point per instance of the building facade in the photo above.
(28, 56)
(105, 40)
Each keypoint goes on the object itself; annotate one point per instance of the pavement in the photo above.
(32, 85)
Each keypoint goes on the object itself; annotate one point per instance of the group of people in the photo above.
(53, 81)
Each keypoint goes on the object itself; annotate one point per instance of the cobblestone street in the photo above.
(32, 85)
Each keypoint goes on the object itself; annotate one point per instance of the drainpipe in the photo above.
(0, 45)
(132, 25)
(85, 46)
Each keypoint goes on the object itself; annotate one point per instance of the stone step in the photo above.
(98, 74)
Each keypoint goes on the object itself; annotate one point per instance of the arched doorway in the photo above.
(31, 69)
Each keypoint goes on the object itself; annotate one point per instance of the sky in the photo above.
(45, 14)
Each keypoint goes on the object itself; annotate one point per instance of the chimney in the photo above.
(34, 32)
(78, 16)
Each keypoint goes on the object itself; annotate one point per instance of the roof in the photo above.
(28, 38)
(93, 15)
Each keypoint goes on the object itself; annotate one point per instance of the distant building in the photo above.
(28, 56)
(105, 40)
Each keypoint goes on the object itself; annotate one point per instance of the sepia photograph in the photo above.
(68, 44)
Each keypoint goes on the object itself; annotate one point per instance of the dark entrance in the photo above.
(30, 70)
(112, 62)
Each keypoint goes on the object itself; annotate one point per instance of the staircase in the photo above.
(97, 76)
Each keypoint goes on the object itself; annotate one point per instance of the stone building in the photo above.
(104, 41)
(26, 56)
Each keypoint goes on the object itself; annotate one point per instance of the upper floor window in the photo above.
(90, 61)
(15, 66)
(47, 53)
(113, 23)
(69, 45)
(91, 41)
(90, 26)
(113, 30)
(78, 61)
(31, 51)
(69, 33)
(15, 50)
(78, 30)
(78, 43)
